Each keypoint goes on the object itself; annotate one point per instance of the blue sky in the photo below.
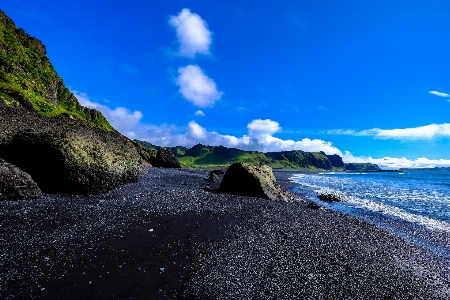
(368, 80)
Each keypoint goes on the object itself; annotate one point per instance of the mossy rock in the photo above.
(65, 156)
(254, 181)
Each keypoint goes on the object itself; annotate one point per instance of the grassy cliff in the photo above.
(28, 79)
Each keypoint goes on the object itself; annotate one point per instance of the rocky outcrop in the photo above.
(165, 159)
(255, 181)
(16, 184)
(329, 197)
(63, 155)
(146, 154)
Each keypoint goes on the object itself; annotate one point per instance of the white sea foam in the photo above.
(410, 204)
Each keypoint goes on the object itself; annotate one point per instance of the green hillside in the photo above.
(28, 79)
(201, 156)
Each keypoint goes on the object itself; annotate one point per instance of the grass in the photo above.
(28, 78)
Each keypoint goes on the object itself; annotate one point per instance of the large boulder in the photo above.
(16, 184)
(65, 156)
(165, 159)
(255, 181)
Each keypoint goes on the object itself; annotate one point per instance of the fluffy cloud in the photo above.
(439, 94)
(199, 113)
(196, 87)
(121, 118)
(259, 138)
(397, 163)
(192, 33)
(420, 132)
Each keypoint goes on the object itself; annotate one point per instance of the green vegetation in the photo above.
(201, 156)
(28, 79)
(361, 167)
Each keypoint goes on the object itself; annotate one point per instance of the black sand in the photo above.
(172, 236)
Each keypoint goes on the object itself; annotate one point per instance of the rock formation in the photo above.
(16, 184)
(165, 159)
(255, 181)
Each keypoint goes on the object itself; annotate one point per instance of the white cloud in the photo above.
(439, 94)
(192, 33)
(397, 163)
(196, 87)
(121, 118)
(420, 132)
(199, 113)
(259, 138)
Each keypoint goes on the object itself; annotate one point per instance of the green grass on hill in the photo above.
(27, 78)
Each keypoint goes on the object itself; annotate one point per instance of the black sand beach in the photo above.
(173, 236)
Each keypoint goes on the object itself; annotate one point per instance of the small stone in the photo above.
(313, 205)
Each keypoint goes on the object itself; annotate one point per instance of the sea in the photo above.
(414, 204)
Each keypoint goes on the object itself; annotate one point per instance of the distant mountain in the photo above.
(361, 167)
(214, 156)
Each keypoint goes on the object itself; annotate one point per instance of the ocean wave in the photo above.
(419, 206)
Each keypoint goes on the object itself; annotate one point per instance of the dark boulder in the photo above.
(255, 181)
(16, 184)
(329, 197)
(313, 205)
(213, 177)
(65, 156)
(165, 159)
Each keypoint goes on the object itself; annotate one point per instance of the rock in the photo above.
(146, 154)
(329, 197)
(313, 205)
(16, 184)
(165, 159)
(65, 156)
(255, 181)
(213, 177)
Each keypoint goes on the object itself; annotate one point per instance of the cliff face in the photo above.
(28, 79)
(66, 148)
(336, 160)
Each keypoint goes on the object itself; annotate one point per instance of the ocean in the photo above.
(414, 205)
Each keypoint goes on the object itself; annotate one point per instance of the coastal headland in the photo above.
(172, 235)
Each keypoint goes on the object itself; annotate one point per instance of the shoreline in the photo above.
(210, 246)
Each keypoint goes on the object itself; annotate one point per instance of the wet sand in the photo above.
(173, 236)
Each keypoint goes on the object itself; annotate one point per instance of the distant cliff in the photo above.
(211, 156)
(361, 167)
